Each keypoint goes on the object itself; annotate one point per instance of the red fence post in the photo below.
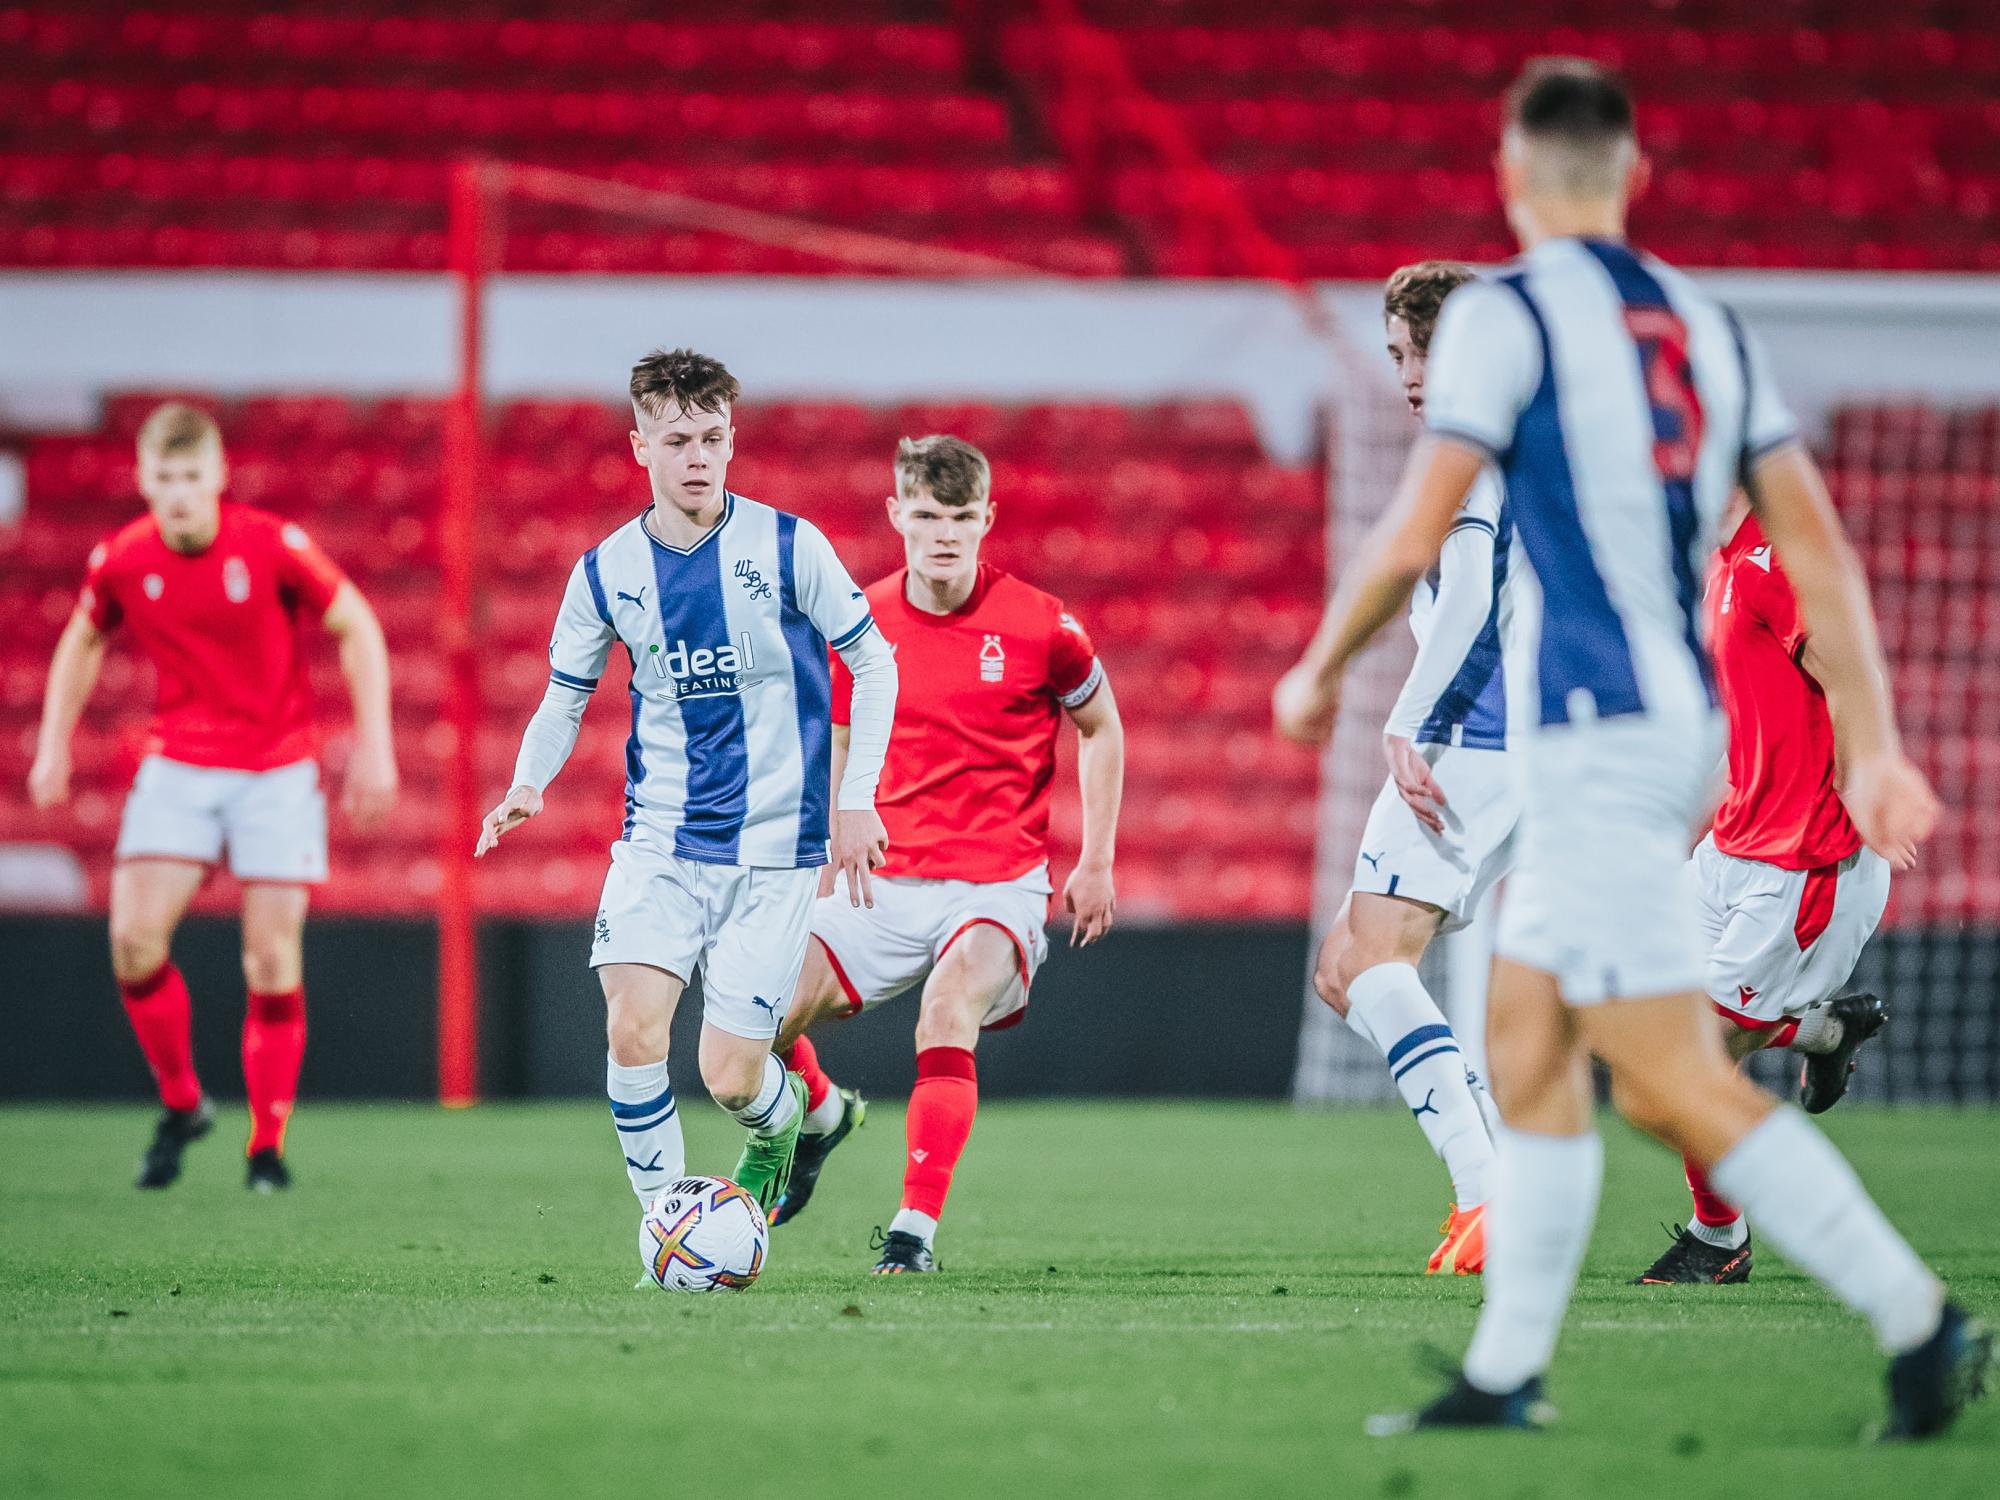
(458, 955)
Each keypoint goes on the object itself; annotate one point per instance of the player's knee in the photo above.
(1331, 973)
(270, 965)
(635, 1036)
(138, 948)
(954, 1022)
(732, 1082)
(1650, 1104)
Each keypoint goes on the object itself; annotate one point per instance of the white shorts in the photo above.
(1452, 870)
(878, 953)
(743, 928)
(273, 823)
(1598, 898)
(1783, 940)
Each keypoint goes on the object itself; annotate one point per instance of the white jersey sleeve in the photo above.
(1482, 367)
(581, 641)
(839, 611)
(1768, 422)
(826, 591)
(1460, 604)
(578, 648)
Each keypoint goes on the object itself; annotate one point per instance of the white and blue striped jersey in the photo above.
(731, 746)
(1463, 617)
(1622, 405)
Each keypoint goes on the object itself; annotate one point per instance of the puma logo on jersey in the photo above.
(1761, 556)
(629, 599)
(1427, 1108)
(1375, 860)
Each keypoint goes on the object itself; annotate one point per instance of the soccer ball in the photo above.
(703, 1234)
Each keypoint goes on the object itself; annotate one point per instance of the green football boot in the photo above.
(765, 1169)
(813, 1152)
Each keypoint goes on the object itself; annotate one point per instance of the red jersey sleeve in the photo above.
(99, 599)
(843, 691)
(1074, 672)
(305, 573)
(1768, 594)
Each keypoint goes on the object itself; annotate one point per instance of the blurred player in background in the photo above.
(990, 666)
(1788, 894)
(1441, 832)
(215, 594)
(726, 607)
(1625, 406)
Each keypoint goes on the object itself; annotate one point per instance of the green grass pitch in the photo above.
(1146, 1300)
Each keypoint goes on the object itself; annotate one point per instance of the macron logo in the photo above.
(1762, 557)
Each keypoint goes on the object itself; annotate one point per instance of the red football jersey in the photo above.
(222, 629)
(1781, 808)
(965, 791)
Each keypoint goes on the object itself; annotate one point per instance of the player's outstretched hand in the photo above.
(370, 789)
(1892, 805)
(48, 778)
(515, 809)
(1414, 782)
(1087, 895)
(860, 844)
(1302, 707)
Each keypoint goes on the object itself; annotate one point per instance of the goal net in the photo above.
(1917, 482)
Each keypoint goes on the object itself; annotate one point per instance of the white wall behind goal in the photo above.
(68, 337)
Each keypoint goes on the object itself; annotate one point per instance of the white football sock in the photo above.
(909, 1221)
(1483, 1097)
(824, 1117)
(1537, 1226)
(774, 1108)
(1805, 1199)
(649, 1125)
(1389, 1005)
(1730, 1236)
(1819, 1030)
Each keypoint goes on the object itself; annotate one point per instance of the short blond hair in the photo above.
(177, 427)
(955, 472)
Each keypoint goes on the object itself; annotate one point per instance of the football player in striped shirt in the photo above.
(1625, 406)
(727, 608)
(1441, 832)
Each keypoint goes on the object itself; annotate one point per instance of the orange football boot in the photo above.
(1462, 1252)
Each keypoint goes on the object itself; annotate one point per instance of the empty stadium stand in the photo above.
(1196, 564)
(1822, 133)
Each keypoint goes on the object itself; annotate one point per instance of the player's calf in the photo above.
(1367, 974)
(638, 1012)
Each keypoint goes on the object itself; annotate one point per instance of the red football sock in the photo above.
(1710, 1207)
(802, 1059)
(938, 1125)
(158, 1009)
(274, 1044)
